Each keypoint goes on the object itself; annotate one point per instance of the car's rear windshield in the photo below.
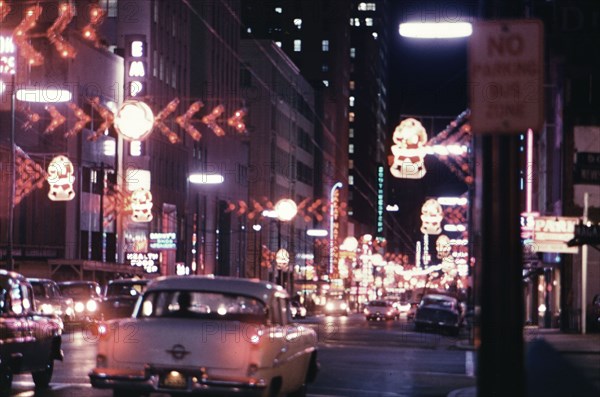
(428, 300)
(202, 305)
(377, 303)
(119, 289)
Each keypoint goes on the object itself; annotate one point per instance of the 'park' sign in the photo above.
(506, 76)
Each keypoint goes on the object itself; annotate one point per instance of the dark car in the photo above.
(86, 298)
(380, 310)
(49, 299)
(120, 297)
(29, 341)
(297, 310)
(439, 312)
(593, 315)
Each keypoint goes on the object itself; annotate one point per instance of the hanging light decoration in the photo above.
(28, 175)
(106, 115)
(57, 119)
(54, 32)
(82, 120)
(60, 177)
(211, 120)
(159, 121)
(90, 31)
(237, 120)
(4, 10)
(184, 120)
(141, 205)
(32, 118)
(21, 37)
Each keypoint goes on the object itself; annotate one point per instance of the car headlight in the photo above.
(69, 311)
(46, 308)
(343, 306)
(79, 307)
(329, 306)
(91, 306)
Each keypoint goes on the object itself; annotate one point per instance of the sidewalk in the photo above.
(557, 364)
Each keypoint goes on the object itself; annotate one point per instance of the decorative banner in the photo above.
(60, 177)
(141, 205)
(409, 138)
(431, 216)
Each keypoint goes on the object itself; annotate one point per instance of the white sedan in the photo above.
(209, 336)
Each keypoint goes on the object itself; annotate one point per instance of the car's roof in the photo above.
(9, 274)
(439, 296)
(40, 280)
(251, 287)
(75, 282)
(128, 281)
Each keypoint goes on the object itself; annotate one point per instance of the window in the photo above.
(351, 132)
(352, 52)
(356, 22)
(249, 30)
(278, 44)
(350, 179)
(352, 84)
(375, 35)
(367, 7)
(297, 45)
(351, 148)
(326, 83)
(298, 23)
(351, 164)
(110, 6)
(351, 116)
(324, 68)
(278, 10)
(325, 45)
(369, 21)
(351, 101)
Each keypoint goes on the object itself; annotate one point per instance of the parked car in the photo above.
(380, 310)
(119, 298)
(337, 306)
(439, 312)
(297, 310)
(593, 315)
(86, 298)
(208, 336)
(49, 299)
(29, 341)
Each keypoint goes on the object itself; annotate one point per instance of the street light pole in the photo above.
(11, 196)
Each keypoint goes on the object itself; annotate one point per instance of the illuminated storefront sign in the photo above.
(136, 66)
(551, 234)
(163, 241)
(336, 232)
(147, 260)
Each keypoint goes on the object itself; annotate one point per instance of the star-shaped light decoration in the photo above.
(184, 120)
(54, 32)
(21, 36)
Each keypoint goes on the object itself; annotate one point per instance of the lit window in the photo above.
(298, 23)
(356, 21)
(350, 179)
(326, 83)
(352, 52)
(249, 30)
(375, 35)
(369, 21)
(362, 6)
(278, 10)
(352, 84)
(351, 21)
(351, 148)
(297, 45)
(351, 132)
(351, 164)
(371, 7)
(278, 44)
(351, 117)
(325, 45)
(324, 68)
(351, 101)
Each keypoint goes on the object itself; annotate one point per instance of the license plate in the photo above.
(174, 380)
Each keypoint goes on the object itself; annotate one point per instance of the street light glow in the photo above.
(435, 30)
(286, 209)
(206, 179)
(316, 232)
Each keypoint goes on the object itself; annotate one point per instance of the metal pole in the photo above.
(584, 265)
(13, 181)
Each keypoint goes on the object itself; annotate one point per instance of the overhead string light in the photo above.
(21, 36)
(211, 120)
(54, 32)
(159, 121)
(90, 31)
(237, 120)
(107, 116)
(184, 121)
(82, 120)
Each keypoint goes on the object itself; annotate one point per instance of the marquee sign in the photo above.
(136, 66)
(147, 260)
(163, 241)
(552, 233)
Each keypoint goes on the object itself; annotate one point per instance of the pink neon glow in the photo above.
(529, 172)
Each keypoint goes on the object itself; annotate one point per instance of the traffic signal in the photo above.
(585, 234)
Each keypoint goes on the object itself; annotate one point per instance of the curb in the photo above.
(464, 392)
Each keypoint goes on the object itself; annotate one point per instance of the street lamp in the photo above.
(25, 94)
(285, 209)
(258, 254)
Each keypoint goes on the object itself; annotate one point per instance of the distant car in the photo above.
(439, 312)
(86, 298)
(335, 306)
(380, 310)
(119, 298)
(29, 341)
(297, 310)
(593, 315)
(49, 299)
(209, 336)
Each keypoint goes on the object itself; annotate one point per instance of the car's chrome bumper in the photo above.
(148, 381)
